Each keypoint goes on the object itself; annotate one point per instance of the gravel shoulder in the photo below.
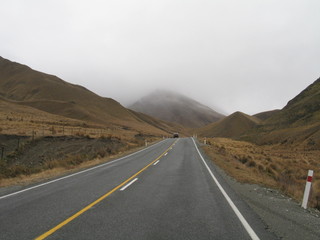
(282, 215)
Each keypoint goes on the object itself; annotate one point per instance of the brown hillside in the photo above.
(22, 85)
(173, 107)
(232, 126)
(301, 110)
(298, 122)
(17, 119)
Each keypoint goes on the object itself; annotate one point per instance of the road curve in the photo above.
(166, 191)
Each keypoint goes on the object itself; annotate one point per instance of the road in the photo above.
(166, 191)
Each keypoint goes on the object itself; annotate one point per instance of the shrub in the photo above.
(251, 163)
(273, 166)
(244, 159)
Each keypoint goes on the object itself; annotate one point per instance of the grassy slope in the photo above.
(298, 122)
(48, 93)
(21, 83)
(17, 119)
(282, 167)
(301, 110)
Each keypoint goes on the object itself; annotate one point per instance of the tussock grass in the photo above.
(278, 166)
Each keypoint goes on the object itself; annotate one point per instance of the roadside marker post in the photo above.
(307, 189)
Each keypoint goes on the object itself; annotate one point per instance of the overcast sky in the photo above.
(232, 55)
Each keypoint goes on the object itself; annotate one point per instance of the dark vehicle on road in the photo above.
(176, 135)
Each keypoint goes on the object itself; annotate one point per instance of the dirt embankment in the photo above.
(25, 156)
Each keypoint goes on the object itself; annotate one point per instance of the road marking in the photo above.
(244, 222)
(124, 187)
(68, 220)
(77, 173)
(157, 162)
(166, 154)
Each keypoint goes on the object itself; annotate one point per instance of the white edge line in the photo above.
(244, 222)
(156, 162)
(124, 187)
(77, 173)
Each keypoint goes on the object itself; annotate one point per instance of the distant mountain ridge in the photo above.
(174, 107)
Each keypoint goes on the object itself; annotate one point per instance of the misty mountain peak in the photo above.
(175, 107)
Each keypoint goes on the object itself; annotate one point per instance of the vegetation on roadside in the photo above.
(282, 167)
(33, 156)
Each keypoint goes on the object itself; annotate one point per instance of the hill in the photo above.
(297, 123)
(232, 126)
(173, 107)
(302, 110)
(265, 115)
(19, 84)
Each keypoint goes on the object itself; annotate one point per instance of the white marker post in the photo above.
(307, 189)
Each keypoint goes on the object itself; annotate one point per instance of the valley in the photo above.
(47, 124)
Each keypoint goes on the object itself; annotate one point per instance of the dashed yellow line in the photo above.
(65, 222)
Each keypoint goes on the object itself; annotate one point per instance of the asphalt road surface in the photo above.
(166, 191)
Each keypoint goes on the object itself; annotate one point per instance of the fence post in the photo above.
(307, 189)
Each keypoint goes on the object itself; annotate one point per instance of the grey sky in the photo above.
(248, 55)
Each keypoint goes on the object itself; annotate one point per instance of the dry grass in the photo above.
(21, 120)
(31, 122)
(33, 125)
(27, 121)
(277, 166)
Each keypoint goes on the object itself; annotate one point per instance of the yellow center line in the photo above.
(65, 222)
